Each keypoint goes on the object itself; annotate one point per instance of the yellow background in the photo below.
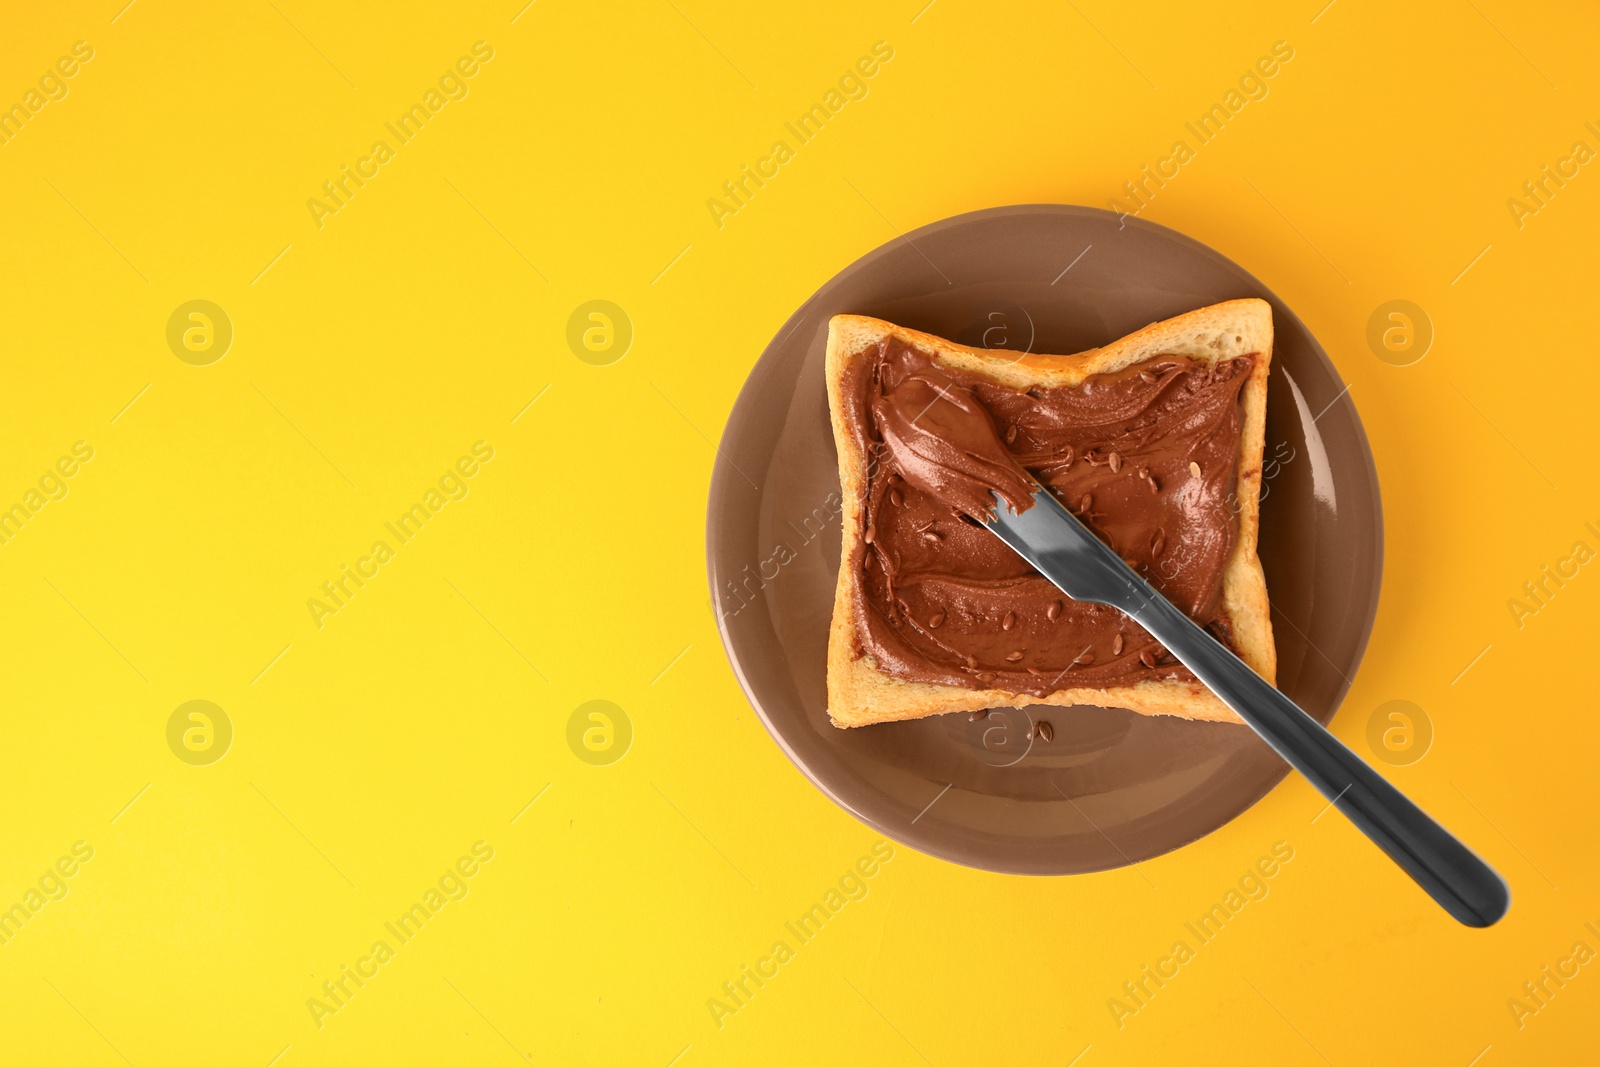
(373, 752)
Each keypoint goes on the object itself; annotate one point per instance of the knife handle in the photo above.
(1450, 872)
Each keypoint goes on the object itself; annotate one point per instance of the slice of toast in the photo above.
(859, 693)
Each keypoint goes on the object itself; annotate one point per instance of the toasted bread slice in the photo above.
(859, 693)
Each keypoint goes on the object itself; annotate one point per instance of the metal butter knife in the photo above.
(1082, 566)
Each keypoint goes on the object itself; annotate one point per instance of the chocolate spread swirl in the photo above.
(1147, 457)
(944, 444)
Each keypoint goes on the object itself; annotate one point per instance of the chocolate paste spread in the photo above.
(1147, 457)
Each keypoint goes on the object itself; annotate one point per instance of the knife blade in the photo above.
(1083, 567)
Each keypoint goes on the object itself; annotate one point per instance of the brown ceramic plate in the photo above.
(1112, 787)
